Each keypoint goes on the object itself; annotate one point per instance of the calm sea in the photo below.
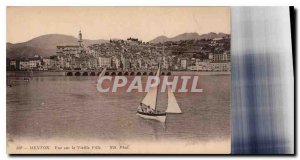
(71, 107)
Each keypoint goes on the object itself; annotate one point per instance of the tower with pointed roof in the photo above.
(80, 38)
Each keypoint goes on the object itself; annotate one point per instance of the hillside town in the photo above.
(133, 54)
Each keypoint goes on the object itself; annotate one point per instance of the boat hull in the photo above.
(161, 117)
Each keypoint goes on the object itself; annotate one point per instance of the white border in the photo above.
(5, 3)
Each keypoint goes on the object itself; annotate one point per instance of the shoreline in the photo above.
(64, 73)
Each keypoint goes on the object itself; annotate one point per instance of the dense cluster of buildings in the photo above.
(133, 54)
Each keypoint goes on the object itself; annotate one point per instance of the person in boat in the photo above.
(142, 108)
(150, 110)
(145, 108)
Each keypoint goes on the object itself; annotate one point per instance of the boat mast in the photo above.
(158, 77)
(157, 87)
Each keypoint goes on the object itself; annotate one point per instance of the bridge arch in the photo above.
(113, 74)
(126, 74)
(151, 74)
(132, 73)
(120, 74)
(92, 74)
(145, 74)
(106, 74)
(169, 73)
(163, 73)
(138, 73)
(85, 74)
(69, 73)
(77, 74)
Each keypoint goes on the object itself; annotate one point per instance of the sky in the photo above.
(145, 23)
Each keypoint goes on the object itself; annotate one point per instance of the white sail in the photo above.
(173, 106)
(150, 98)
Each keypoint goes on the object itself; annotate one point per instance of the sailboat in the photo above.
(148, 107)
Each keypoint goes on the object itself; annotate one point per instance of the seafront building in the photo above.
(221, 57)
(24, 64)
(183, 63)
(35, 62)
(220, 66)
(105, 62)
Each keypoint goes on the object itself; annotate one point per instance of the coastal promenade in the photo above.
(81, 73)
(107, 73)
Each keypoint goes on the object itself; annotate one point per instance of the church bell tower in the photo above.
(80, 38)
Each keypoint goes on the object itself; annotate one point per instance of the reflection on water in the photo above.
(71, 107)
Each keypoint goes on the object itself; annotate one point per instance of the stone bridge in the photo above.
(113, 73)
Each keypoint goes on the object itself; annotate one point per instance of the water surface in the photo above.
(71, 107)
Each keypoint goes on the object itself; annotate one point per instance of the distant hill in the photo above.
(189, 36)
(159, 39)
(44, 46)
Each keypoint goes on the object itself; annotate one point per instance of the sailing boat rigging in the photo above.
(148, 107)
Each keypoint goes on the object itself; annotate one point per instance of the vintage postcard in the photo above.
(118, 80)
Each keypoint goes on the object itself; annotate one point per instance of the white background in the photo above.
(5, 3)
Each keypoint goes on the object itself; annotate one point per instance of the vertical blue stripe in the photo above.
(262, 81)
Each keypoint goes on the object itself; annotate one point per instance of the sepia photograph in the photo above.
(118, 80)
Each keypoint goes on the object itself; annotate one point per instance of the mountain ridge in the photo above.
(44, 45)
(189, 36)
